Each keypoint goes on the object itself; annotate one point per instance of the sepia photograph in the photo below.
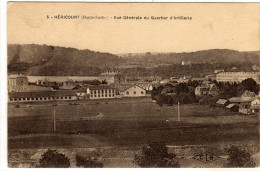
(133, 85)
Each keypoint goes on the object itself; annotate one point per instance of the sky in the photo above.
(213, 26)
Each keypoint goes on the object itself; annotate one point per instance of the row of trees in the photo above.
(156, 155)
(169, 94)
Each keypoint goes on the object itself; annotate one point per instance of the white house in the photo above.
(256, 102)
(131, 90)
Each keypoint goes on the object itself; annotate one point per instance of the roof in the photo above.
(67, 87)
(222, 101)
(100, 87)
(17, 76)
(124, 87)
(41, 94)
(255, 107)
(230, 106)
(248, 94)
(242, 99)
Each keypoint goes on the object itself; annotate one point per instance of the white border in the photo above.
(3, 77)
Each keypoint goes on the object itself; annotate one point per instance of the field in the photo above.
(125, 125)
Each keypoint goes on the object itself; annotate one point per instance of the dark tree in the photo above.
(87, 162)
(53, 159)
(238, 157)
(250, 85)
(156, 155)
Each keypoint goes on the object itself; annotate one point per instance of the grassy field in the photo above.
(129, 123)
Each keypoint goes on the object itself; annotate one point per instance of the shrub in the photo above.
(156, 155)
(53, 159)
(238, 157)
(87, 162)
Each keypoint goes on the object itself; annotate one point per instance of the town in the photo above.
(113, 84)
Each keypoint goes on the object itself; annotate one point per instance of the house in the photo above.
(218, 71)
(185, 63)
(131, 90)
(165, 81)
(101, 92)
(201, 90)
(255, 106)
(16, 83)
(255, 102)
(206, 88)
(41, 96)
(236, 76)
(232, 107)
(112, 77)
(222, 102)
(248, 94)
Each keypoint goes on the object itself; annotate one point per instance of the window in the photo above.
(69, 97)
(40, 98)
(23, 98)
(32, 98)
(134, 92)
(36, 98)
(45, 98)
(66, 97)
(142, 92)
(15, 99)
(49, 98)
(61, 98)
(19, 99)
(11, 99)
(127, 92)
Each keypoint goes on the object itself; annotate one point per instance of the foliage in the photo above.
(156, 155)
(250, 85)
(238, 157)
(179, 93)
(87, 162)
(53, 159)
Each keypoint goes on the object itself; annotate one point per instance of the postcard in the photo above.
(133, 85)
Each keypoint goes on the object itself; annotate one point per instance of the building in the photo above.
(112, 77)
(255, 106)
(19, 83)
(15, 82)
(232, 107)
(185, 63)
(218, 71)
(131, 90)
(102, 92)
(237, 76)
(206, 88)
(42, 96)
(222, 102)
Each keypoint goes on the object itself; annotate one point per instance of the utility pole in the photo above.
(54, 120)
(179, 117)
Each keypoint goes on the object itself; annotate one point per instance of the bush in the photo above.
(87, 162)
(238, 157)
(156, 155)
(53, 159)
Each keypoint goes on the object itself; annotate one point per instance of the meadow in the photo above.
(126, 123)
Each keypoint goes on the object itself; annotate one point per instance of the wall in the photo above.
(134, 91)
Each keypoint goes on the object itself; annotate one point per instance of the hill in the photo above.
(204, 56)
(44, 60)
(32, 59)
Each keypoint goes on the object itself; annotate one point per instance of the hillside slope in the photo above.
(34, 59)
